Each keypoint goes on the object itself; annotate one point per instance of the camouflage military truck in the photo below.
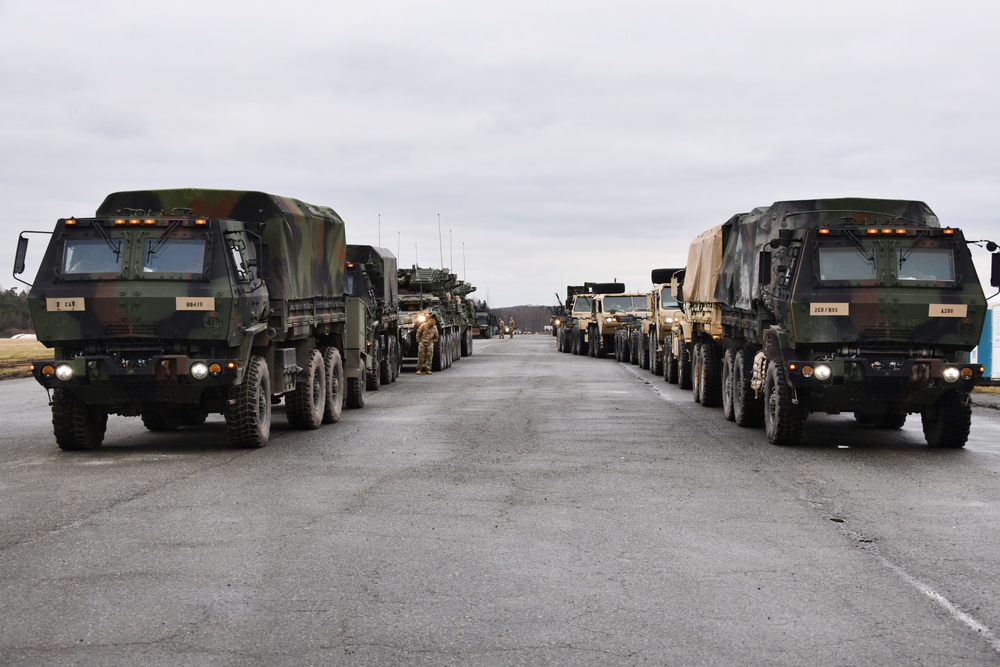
(173, 304)
(608, 313)
(847, 305)
(372, 347)
(424, 292)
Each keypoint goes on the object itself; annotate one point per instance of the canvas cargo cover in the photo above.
(703, 265)
(738, 285)
(307, 242)
(382, 265)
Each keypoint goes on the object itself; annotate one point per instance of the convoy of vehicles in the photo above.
(170, 305)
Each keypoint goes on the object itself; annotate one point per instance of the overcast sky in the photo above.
(559, 142)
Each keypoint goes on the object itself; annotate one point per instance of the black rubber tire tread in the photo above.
(655, 357)
(356, 390)
(333, 364)
(437, 355)
(373, 380)
(947, 422)
(683, 365)
(644, 352)
(728, 362)
(76, 425)
(784, 421)
(160, 418)
(306, 404)
(385, 365)
(748, 409)
(669, 363)
(696, 377)
(710, 383)
(248, 417)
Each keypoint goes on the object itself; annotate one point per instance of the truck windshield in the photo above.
(89, 256)
(174, 256)
(926, 264)
(845, 264)
(581, 304)
(667, 300)
(624, 303)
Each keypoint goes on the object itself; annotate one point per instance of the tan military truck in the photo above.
(663, 310)
(573, 330)
(608, 313)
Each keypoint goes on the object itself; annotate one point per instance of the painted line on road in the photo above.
(945, 604)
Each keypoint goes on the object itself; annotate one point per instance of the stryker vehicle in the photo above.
(843, 305)
(609, 312)
(173, 304)
(424, 292)
(561, 314)
(372, 348)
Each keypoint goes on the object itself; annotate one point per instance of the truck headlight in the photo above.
(199, 370)
(64, 372)
(951, 373)
(822, 372)
(609, 319)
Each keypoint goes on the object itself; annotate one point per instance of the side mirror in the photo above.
(995, 273)
(764, 268)
(22, 252)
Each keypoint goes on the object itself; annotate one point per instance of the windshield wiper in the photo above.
(153, 249)
(909, 251)
(116, 249)
(870, 256)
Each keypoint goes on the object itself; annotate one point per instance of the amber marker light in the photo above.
(901, 231)
(201, 221)
(824, 231)
(48, 371)
(948, 231)
(793, 367)
(70, 221)
(966, 373)
(887, 231)
(149, 221)
(232, 365)
(119, 221)
(215, 369)
(872, 232)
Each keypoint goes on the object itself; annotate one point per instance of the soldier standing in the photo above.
(501, 328)
(511, 325)
(427, 335)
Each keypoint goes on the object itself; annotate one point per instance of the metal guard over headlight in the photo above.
(951, 374)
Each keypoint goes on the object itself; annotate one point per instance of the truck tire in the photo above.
(576, 342)
(655, 354)
(385, 364)
(891, 420)
(248, 415)
(683, 365)
(728, 362)
(160, 418)
(634, 351)
(356, 390)
(947, 422)
(306, 404)
(437, 355)
(333, 364)
(710, 378)
(374, 379)
(669, 363)
(784, 421)
(748, 409)
(76, 425)
(467, 343)
(696, 371)
(644, 352)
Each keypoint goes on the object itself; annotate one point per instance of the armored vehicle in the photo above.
(372, 347)
(173, 304)
(424, 292)
(485, 325)
(844, 305)
(608, 313)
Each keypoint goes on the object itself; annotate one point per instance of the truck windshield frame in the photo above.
(934, 264)
(168, 257)
(581, 304)
(667, 300)
(625, 303)
(840, 264)
(84, 256)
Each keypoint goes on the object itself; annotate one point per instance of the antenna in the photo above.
(440, 241)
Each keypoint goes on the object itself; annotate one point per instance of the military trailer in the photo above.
(851, 305)
(372, 346)
(173, 304)
(425, 292)
(608, 313)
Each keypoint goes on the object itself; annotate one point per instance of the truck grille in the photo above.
(130, 330)
(887, 333)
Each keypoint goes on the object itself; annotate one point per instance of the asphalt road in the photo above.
(524, 507)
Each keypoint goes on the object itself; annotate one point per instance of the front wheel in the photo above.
(248, 414)
(748, 408)
(947, 422)
(75, 424)
(784, 421)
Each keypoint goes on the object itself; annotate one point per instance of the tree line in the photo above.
(14, 315)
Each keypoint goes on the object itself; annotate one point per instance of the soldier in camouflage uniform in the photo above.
(511, 325)
(427, 335)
